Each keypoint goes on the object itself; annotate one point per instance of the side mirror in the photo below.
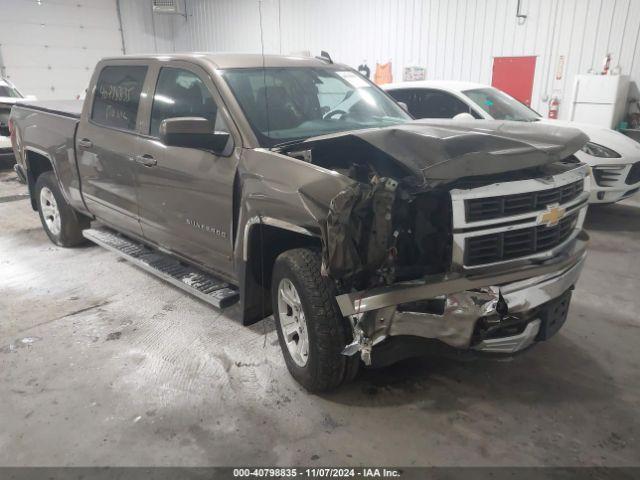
(192, 132)
(404, 106)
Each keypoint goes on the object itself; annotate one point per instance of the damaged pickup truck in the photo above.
(297, 187)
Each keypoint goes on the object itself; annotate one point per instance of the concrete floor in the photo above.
(102, 364)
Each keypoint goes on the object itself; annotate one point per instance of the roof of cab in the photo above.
(233, 60)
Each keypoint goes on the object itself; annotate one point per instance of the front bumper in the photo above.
(613, 183)
(387, 312)
(612, 195)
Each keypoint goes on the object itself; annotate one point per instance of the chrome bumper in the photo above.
(511, 344)
(462, 310)
(466, 299)
(355, 303)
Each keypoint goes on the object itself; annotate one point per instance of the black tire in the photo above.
(328, 332)
(71, 222)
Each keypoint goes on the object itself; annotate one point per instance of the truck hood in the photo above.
(445, 150)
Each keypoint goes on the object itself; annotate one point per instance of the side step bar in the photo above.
(202, 285)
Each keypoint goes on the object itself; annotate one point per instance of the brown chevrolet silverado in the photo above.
(294, 186)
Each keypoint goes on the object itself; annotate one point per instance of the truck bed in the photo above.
(48, 131)
(66, 108)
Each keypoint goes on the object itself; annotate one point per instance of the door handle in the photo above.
(146, 160)
(85, 143)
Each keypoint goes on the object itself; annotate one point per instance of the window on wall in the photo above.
(117, 96)
(425, 103)
(181, 93)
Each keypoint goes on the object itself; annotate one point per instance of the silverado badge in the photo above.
(552, 216)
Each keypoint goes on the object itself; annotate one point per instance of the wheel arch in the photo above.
(264, 238)
(37, 162)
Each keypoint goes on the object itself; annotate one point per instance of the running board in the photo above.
(202, 285)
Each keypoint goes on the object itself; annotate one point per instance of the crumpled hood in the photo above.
(445, 150)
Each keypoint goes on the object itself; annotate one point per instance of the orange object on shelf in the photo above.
(383, 73)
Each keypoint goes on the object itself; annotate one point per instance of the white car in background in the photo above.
(6, 152)
(613, 157)
(9, 96)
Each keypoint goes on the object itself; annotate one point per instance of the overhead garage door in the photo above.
(49, 48)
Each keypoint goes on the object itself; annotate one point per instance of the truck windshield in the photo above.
(294, 103)
(501, 106)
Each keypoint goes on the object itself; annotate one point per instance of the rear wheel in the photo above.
(63, 224)
(311, 331)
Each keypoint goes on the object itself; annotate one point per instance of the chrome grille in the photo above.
(508, 245)
(477, 209)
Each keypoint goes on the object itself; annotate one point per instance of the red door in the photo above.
(514, 75)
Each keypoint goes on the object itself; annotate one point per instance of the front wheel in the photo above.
(63, 224)
(311, 331)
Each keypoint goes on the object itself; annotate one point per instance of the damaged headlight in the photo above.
(599, 151)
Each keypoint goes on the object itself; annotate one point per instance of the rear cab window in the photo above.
(117, 96)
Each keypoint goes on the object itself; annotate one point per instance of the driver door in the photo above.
(186, 194)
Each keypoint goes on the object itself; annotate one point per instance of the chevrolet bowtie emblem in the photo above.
(552, 216)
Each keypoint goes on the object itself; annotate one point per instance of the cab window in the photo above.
(117, 96)
(181, 93)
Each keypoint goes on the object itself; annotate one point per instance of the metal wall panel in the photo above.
(453, 39)
(145, 31)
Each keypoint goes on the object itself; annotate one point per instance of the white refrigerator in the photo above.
(599, 99)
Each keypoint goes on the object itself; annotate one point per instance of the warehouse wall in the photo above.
(453, 39)
(49, 49)
(144, 31)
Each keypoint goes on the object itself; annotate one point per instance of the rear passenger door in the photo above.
(106, 144)
(186, 194)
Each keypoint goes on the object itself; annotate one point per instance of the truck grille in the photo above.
(513, 244)
(477, 209)
(634, 174)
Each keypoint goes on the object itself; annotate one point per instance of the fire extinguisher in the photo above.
(554, 106)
